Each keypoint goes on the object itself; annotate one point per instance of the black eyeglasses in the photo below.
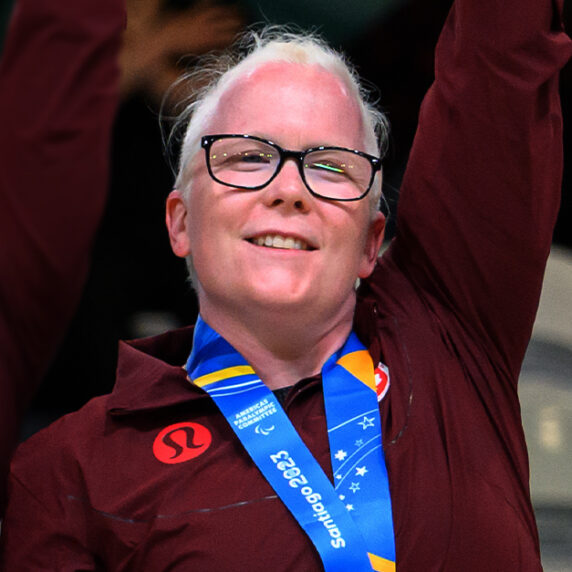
(249, 162)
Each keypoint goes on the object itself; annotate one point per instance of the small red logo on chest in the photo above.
(181, 442)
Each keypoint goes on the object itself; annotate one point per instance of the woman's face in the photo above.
(313, 249)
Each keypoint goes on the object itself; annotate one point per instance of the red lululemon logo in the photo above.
(181, 442)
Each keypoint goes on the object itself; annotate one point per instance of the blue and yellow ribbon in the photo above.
(349, 523)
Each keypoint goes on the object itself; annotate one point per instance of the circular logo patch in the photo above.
(181, 442)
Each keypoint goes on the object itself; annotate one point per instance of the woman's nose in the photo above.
(288, 188)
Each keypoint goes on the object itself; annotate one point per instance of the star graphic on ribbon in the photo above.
(349, 507)
(354, 487)
(359, 443)
(340, 455)
(361, 471)
(367, 422)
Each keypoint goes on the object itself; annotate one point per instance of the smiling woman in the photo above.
(265, 285)
(396, 439)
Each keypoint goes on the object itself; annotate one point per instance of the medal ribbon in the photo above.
(350, 524)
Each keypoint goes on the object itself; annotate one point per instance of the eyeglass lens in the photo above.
(248, 163)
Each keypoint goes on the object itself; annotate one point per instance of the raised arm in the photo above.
(481, 192)
(58, 84)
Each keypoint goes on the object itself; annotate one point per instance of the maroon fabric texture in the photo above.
(449, 308)
(58, 94)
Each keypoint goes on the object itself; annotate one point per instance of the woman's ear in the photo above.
(373, 244)
(177, 224)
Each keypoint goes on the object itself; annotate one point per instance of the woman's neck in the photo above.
(285, 348)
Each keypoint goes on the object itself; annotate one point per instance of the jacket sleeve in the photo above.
(481, 191)
(58, 538)
(58, 94)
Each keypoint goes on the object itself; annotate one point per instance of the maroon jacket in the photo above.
(58, 95)
(449, 308)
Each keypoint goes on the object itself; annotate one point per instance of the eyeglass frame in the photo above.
(285, 154)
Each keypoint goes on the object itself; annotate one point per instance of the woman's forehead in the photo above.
(283, 97)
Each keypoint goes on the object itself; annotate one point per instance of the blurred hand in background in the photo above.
(160, 37)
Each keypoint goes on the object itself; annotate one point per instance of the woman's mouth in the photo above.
(280, 241)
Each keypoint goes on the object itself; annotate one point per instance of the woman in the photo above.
(173, 470)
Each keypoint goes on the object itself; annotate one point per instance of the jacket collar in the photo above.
(150, 372)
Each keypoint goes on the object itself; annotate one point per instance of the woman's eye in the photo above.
(253, 158)
(328, 166)
(247, 160)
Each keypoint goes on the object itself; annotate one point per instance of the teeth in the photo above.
(277, 241)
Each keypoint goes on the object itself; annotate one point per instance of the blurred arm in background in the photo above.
(58, 94)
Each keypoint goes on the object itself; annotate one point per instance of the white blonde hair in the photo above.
(252, 50)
